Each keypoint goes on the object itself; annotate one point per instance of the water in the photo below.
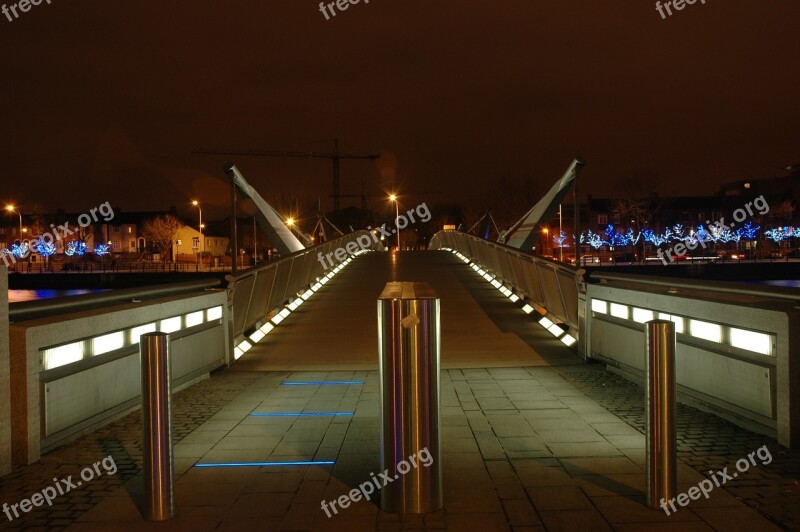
(15, 296)
(793, 283)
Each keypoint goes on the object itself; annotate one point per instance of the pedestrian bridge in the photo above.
(511, 326)
(75, 363)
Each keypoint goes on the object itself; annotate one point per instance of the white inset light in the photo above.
(619, 311)
(305, 295)
(546, 323)
(285, 312)
(316, 287)
(323, 281)
(568, 340)
(257, 336)
(496, 283)
(555, 330)
(527, 309)
(56, 357)
(513, 297)
(214, 313)
(707, 331)
(678, 321)
(195, 318)
(171, 324)
(641, 315)
(277, 318)
(751, 340)
(266, 328)
(237, 353)
(295, 303)
(245, 346)
(108, 342)
(599, 306)
(136, 332)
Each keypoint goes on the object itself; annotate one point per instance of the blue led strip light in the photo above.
(319, 383)
(299, 414)
(261, 464)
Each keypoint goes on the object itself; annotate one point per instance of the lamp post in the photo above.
(11, 208)
(200, 225)
(393, 197)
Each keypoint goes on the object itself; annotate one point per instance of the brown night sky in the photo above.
(106, 100)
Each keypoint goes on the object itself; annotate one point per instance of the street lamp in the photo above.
(11, 208)
(200, 225)
(546, 233)
(393, 197)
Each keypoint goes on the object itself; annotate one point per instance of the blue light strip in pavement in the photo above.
(261, 464)
(318, 383)
(299, 414)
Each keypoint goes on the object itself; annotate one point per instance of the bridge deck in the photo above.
(336, 328)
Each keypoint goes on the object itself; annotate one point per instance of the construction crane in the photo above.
(334, 156)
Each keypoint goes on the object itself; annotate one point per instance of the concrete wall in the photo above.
(752, 390)
(54, 406)
(5, 378)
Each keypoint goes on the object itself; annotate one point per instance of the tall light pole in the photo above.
(560, 236)
(11, 208)
(200, 226)
(393, 197)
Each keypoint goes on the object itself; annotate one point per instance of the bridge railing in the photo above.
(74, 361)
(734, 343)
(255, 295)
(549, 285)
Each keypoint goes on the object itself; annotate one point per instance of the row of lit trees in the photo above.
(693, 236)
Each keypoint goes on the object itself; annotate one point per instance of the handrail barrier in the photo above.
(256, 294)
(549, 285)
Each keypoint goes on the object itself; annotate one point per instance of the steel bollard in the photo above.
(159, 472)
(662, 473)
(409, 351)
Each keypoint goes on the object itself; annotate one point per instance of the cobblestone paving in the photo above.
(706, 442)
(121, 440)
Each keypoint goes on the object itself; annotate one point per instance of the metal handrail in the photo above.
(251, 306)
(25, 310)
(543, 281)
(772, 292)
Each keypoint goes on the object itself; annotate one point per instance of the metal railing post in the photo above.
(159, 474)
(409, 358)
(660, 432)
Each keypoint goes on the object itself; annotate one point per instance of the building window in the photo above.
(115, 229)
(133, 244)
(130, 229)
(602, 219)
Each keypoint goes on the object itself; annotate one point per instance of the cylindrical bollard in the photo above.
(409, 351)
(159, 475)
(662, 442)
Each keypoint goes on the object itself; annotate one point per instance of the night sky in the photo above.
(105, 101)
